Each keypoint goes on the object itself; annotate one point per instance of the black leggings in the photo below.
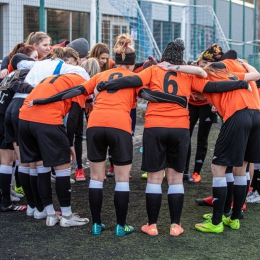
(206, 119)
(79, 138)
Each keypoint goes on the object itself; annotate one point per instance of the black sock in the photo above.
(219, 198)
(121, 200)
(6, 179)
(17, 180)
(44, 185)
(230, 188)
(153, 202)
(247, 184)
(153, 205)
(175, 202)
(239, 195)
(63, 187)
(95, 200)
(24, 176)
(258, 182)
(34, 186)
(254, 180)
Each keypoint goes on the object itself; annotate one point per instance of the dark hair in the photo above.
(15, 49)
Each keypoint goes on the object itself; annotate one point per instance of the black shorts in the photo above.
(12, 119)
(165, 148)
(43, 142)
(119, 141)
(3, 144)
(239, 139)
(203, 113)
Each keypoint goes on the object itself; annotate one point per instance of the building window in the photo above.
(31, 20)
(111, 28)
(165, 32)
(61, 25)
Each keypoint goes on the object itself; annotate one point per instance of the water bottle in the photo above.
(141, 150)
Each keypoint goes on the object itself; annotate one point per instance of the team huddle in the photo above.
(42, 107)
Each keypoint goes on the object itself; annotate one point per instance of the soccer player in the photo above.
(240, 112)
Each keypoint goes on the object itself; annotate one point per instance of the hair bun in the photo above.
(179, 43)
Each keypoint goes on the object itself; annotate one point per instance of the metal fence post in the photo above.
(42, 16)
(230, 22)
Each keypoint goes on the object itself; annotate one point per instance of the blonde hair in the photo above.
(64, 53)
(98, 49)
(91, 66)
(36, 37)
(122, 45)
(214, 71)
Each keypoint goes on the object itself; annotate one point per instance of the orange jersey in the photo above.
(52, 113)
(227, 103)
(235, 66)
(111, 64)
(167, 114)
(112, 108)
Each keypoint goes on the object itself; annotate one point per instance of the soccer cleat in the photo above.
(15, 194)
(80, 175)
(205, 202)
(19, 190)
(195, 178)
(150, 230)
(30, 211)
(12, 207)
(53, 178)
(110, 172)
(40, 214)
(15, 199)
(249, 194)
(123, 230)
(52, 220)
(97, 228)
(144, 175)
(176, 230)
(73, 220)
(208, 227)
(232, 223)
(255, 198)
(186, 175)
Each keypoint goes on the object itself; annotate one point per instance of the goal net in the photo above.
(154, 23)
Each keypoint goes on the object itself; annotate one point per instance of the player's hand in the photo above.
(3, 73)
(30, 104)
(213, 109)
(96, 92)
(164, 65)
(72, 154)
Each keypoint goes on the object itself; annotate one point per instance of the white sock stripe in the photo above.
(62, 173)
(176, 188)
(33, 172)
(122, 186)
(153, 188)
(95, 184)
(16, 162)
(230, 177)
(248, 176)
(240, 180)
(42, 169)
(6, 169)
(256, 166)
(24, 169)
(219, 182)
